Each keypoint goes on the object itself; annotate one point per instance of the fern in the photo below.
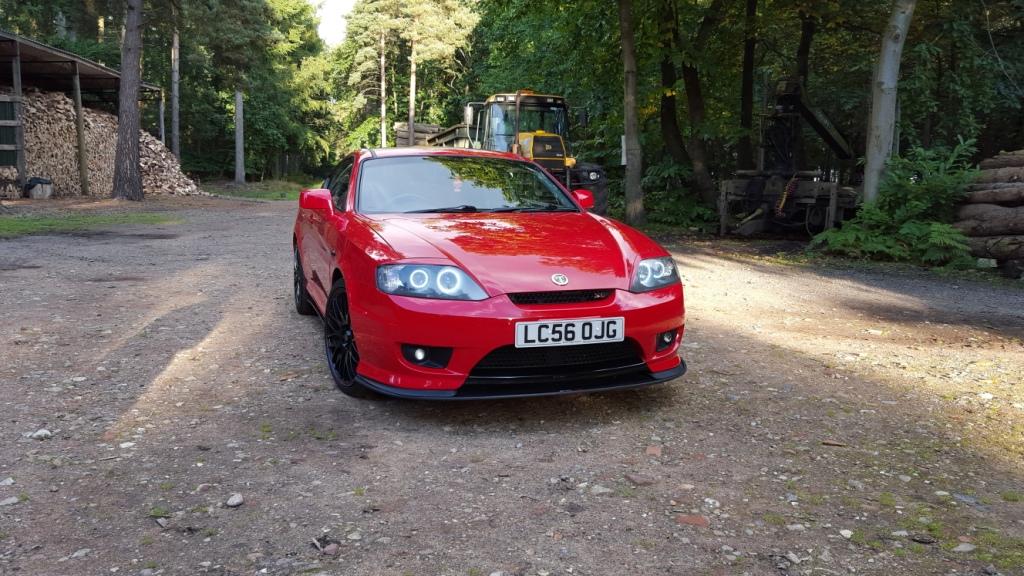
(910, 220)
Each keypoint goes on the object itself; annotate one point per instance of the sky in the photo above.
(332, 21)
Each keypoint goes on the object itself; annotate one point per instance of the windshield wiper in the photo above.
(536, 208)
(459, 208)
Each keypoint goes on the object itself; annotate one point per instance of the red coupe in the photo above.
(453, 274)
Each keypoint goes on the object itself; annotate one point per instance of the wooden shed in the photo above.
(27, 63)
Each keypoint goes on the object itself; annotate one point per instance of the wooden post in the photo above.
(83, 156)
(19, 114)
(163, 134)
(239, 139)
(833, 206)
(723, 207)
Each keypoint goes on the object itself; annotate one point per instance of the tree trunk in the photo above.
(990, 220)
(803, 49)
(1012, 160)
(634, 154)
(671, 134)
(383, 95)
(127, 173)
(1005, 175)
(882, 121)
(803, 72)
(412, 94)
(1010, 194)
(998, 247)
(175, 93)
(745, 150)
(239, 139)
(695, 146)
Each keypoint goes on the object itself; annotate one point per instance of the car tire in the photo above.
(303, 303)
(340, 344)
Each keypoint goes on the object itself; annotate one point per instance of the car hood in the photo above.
(519, 252)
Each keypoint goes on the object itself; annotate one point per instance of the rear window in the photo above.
(455, 184)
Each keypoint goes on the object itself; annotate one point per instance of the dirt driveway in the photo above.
(833, 422)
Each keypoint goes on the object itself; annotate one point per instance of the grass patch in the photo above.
(773, 519)
(1011, 496)
(159, 512)
(887, 499)
(265, 190)
(13, 226)
(1004, 551)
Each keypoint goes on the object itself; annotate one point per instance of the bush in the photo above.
(910, 220)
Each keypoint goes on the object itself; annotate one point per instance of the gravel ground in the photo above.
(834, 421)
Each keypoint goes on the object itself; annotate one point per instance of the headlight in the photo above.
(654, 273)
(594, 175)
(428, 281)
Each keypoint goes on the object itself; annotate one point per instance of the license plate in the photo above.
(569, 332)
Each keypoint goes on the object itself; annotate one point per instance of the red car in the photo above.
(452, 274)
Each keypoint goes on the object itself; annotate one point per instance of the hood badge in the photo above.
(560, 279)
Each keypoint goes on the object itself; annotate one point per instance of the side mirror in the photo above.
(317, 199)
(585, 198)
(469, 115)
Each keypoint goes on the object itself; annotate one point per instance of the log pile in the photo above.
(421, 132)
(51, 151)
(993, 214)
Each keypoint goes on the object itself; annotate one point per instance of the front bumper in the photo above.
(474, 391)
(476, 331)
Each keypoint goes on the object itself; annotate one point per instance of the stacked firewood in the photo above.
(421, 133)
(993, 215)
(51, 151)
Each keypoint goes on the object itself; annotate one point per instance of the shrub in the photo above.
(910, 220)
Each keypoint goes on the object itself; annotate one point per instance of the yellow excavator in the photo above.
(534, 126)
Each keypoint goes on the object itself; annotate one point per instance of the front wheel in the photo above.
(340, 344)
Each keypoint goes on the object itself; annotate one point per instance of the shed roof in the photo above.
(49, 68)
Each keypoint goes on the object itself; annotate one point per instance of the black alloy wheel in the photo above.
(340, 344)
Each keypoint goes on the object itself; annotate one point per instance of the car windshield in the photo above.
(456, 184)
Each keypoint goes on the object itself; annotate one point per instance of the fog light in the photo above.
(665, 340)
(427, 356)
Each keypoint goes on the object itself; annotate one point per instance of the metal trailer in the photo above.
(778, 196)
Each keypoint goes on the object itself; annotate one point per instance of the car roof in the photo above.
(407, 151)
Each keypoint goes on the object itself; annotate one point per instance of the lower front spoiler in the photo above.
(471, 391)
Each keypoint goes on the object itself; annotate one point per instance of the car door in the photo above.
(332, 226)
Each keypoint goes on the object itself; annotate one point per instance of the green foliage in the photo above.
(910, 220)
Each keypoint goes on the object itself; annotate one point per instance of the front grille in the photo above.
(509, 361)
(559, 297)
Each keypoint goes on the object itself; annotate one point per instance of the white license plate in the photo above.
(569, 332)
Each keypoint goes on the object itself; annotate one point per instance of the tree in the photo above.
(127, 173)
(671, 134)
(634, 154)
(434, 30)
(176, 86)
(745, 159)
(696, 104)
(372, 25)
(882, 120)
